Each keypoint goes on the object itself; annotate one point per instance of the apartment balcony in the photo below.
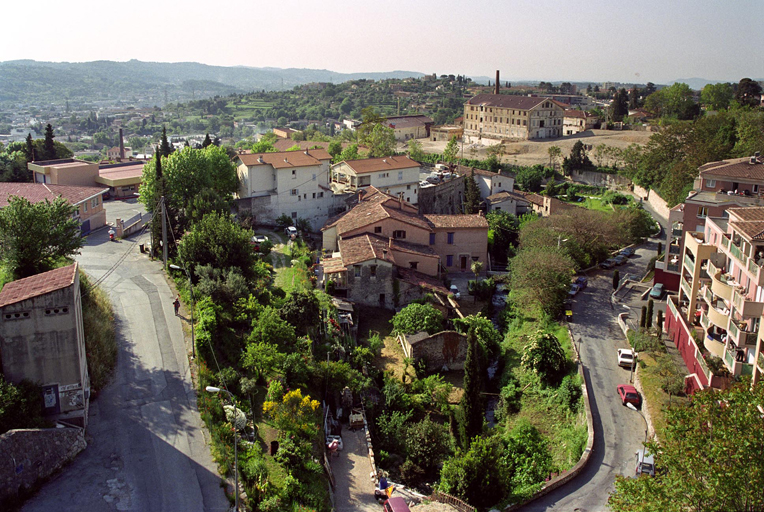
(704, 321)
(740, 335)
(676, 232)
(720, 318)
(674, 249)
(737, 368)
(714, 345)
(689, 264)
(747, 308)
(685, 287)
(673, 267)
(719, 286)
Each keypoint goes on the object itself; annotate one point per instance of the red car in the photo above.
(629, 395)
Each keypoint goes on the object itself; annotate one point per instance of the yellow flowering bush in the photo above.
(294, 414)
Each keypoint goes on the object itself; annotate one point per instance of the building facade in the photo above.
(42, 340)
(394, 175)
(501, 116)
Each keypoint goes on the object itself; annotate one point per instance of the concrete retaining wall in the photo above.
(29, 455)
(601, 179)
(657, 202)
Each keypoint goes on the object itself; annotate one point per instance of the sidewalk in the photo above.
(352, 473)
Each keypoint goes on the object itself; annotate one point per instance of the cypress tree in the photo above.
(616, 279)
(30, 148)
(49, 148)
(659, 321)
(643, 317)
(165, 149)
(207, 141)
(472, 400)
(649, 318)
(156, 223)
(471, 194)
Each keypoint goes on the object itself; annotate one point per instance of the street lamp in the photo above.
(634, 408)
(193, 306)
(560, 241)
(213, 389)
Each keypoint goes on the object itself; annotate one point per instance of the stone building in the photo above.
(502, 116)
(444, 198)
(410, 127)
(42, 340)
(446, 349)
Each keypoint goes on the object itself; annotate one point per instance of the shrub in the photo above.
(20, 405)
(544, 356)
(569, 392)
(418, 317)
(100, 339)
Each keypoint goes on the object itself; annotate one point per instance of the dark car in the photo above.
(620, 259)
(628, 252)
(582, 282)
(629, 395)
(608, 263)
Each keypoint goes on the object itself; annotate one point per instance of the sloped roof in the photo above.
(388, 163)
(738, 168)
(534, 198)
(38, 192)
(408, 121)
(507, 101)
(419, 279)
(37, 285)
(752, 213)
(753, 229)
(499, 197)
(467, 171)
(364, 248)
(374, 206)
(286, 159)
(457, 221)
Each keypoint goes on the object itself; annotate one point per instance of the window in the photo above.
(710, 183)
(413, 264)
(372, 270)
(377, 229)
(314, 195)
(702, 212)
(294, 174)
(293, 192)
(408, 187)
(314, 177)
(94, 202)
(399, 233)
(85, 205)
(432, 238)
(320, 194)
(400, 175)
(294, 215)
(384, 175)
(305, 196)
(450, 260)
(450, 240)
(357, 270)
(755, 189)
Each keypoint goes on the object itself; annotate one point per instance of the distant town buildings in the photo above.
(502, 116)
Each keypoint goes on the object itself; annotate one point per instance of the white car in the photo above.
(291, 231)
(453, 289)
(258, 239)
(626, 357)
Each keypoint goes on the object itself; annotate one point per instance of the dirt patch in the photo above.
(391, 360)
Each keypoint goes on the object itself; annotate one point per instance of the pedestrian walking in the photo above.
(177, 305)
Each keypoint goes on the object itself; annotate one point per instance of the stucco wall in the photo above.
(82, 175)
(414, 234)
(469, 242)
(366, 289)
(32, 454)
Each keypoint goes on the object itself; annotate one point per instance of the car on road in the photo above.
(291, 231)
(620, 259)
(626, 357)
(608, 263)
(645, 463)
(453, 289)
(628, 252)
(629, 395)
(657, 291)
(574, 289)
(258, 239)
(582, 282)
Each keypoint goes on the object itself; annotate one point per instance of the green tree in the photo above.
(20, 405)
(418, 317)
(349, 153)
(451, 150)
(269, 327)
(303, 311)
(165, 148)
(620, 106)
(415, 150)
(218, 241)
(207, 141)
(748, 92)
(49, 148)
(30, 149)
(477, 475)
(529, 179)
(36, 237)
(717, 96)
(555, 152)
(677, 101)
(472, 401)
(578, 160)
(544, 356)
(643, 318)
(540, 276)
(471, 194)
(502, 232)
(334, 148)
(711, 457)
(370, 119)
(649, 314)
(263, 146)
(527, 456)
(380, 141)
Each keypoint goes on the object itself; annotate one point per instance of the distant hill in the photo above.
(695, 84)
(150, 83)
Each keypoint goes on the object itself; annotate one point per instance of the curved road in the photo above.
(618, 431)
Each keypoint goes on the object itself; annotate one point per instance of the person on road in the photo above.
(177, 305)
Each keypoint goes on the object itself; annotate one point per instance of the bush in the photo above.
(100, 339)
(641, 341)
(544, 356)
(569, 392)
(20, 405)
(418, 317)
(483, 289)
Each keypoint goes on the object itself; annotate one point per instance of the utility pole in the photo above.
(164, 233)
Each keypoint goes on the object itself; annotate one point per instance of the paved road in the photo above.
(146, 448)
(352, 474)
(618, 431)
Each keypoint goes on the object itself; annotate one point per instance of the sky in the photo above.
(552, 40)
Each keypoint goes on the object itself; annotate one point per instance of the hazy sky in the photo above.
(598, 40)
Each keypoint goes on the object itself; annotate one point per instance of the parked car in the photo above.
(291, 231)
(645, 463)
(628, 252)
(574, 289)
(396, 504)
(626, 358)
(657, 291)
(453, 289)
(620, 259)
(629, 395)
(582, 282)
(258, 239)
(608, 263)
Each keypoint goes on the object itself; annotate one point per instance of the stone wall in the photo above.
(33, 454)
(442, 199)
(446, 348)
(657, 202)
(601, 179)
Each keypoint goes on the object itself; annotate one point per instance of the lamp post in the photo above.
(193, 306)
(560, 241)
(213, 389)
(634, 408)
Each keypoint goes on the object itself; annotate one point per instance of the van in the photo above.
(645, 463)
(441, 167)
(396, 504)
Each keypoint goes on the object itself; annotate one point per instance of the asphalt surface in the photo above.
(146, 450)
(618, 431)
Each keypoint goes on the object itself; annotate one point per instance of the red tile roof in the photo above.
(37, 192)
(364, 248)
(37, 285)
(388, 163)
(374, 207)
(286, 159)
(503, 195)
(457, 221)
(738, 168)
(507, 101)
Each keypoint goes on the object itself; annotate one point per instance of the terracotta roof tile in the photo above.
(37, 192)
(753, 229)
(457, 221)
(364, 248)
(419, 279)
(739, 168)
(507, 101)
(388, 163)
(753, 213)
(286, 159)
(498, 197)
(37, 285)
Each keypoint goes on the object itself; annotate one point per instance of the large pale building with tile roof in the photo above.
(393, 175)
(42, 340)
(508, 117)
(292, 183)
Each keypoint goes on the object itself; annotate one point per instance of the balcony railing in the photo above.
(672, 267)
(753, 268)
(736, 252)
(708, 295)
(689, 263)
(746, 369)
(725, 242)
(729, 358)
(686, 287)
(704, 321)
(713, 269)
(718, 318)
(673, 249)
(761, 360)
(745, 307)
(676, 232)
(733, 330)
(702, 363)
(720, 287)
(672, 307)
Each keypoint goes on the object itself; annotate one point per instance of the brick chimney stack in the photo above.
(496, 85)
(121, 146)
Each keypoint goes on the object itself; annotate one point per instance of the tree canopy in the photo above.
(418, 317)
